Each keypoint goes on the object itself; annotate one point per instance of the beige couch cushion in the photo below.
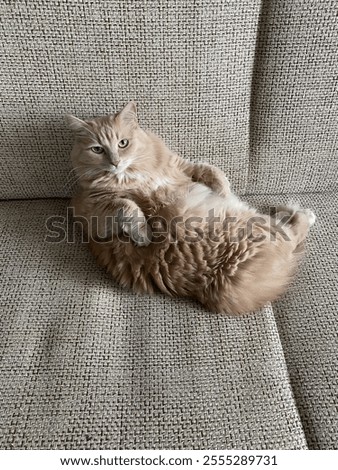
(87, 364)
(307, 321)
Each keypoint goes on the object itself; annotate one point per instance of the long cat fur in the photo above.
(140, 189)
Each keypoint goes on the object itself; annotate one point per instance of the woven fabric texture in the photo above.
(307, 320)
(294, 108)
(249, 86)
(86, 364)
(188, 65)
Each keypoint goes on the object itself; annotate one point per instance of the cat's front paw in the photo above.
(144, 236)
(219, 183)
(221, 190)
(139, 232)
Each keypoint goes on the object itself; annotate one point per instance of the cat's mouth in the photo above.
(121, 167)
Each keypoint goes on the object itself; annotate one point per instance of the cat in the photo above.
(158, 222)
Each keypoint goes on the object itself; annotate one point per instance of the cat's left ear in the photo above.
(80, 128)
(129, 113)
(75, 123)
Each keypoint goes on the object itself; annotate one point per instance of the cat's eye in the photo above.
(123, 143)
(97, 149)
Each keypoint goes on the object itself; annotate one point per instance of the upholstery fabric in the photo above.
(294, 108)
(307, 321)
(87, 364)
(249, 86)
(188, 64)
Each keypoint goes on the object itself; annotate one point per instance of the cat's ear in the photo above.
(129, 113)
(78, 126)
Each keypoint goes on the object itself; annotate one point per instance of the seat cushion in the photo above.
(307, 320)
(87, 364)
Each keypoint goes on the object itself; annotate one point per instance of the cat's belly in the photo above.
(200, 200)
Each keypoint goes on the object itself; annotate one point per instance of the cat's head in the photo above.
(108, 145)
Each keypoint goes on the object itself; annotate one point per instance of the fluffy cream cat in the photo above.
(158, 222)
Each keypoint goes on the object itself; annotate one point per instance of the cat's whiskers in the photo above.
(72, 179)
(72, 172)
(90, 172)
(100, 193)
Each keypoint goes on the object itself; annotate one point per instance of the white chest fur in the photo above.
(203, 198)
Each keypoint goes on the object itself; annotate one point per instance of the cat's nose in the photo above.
(113, 157)
(114, 160)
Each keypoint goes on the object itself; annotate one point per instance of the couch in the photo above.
(250, 86)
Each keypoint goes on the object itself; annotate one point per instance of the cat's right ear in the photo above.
(76, 125)
(128, 114)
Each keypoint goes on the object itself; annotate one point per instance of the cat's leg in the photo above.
(298, 220)
(132, 221)
(292, 210)
(122, 215)
(209, 175)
